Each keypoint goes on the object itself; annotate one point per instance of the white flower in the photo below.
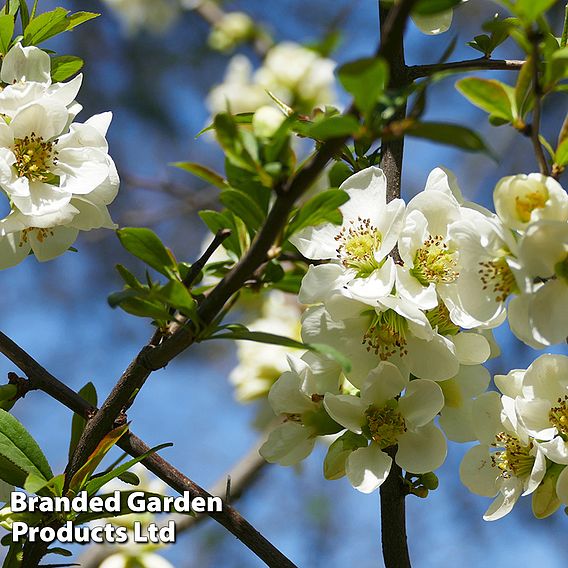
(538, 317)
(260, 364)
(542, 406)
(27, 73)
(298, 75)
(137, 15)
(358, 247)
(237, 93)
(135, 557)
(394, 331)
(522, 199)
(507, 463)
(488, 271)
(386, 421)
(297, 396)
(266, 121)
(58, 185)
(430, 260)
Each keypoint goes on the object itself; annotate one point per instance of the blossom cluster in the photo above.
(409, 293)
(298, 76)
(55, 173)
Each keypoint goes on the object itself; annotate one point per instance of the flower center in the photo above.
(34, 158)
(358, 243)
(558, 416)
(434, 263)
(384, 425)
(386, 334)
(439, 318)
(40, 235)
(527, 203)
(514, 460)
(496, 275)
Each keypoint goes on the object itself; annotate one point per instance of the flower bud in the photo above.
(430, 481)
(266, 121)
(232, 29)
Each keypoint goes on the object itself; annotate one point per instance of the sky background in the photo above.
(155, 87)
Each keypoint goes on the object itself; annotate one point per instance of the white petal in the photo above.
(287, 444)
(383, 384)
(486, 412)
(346, 410)
(320, 281)
(11, 253)
(26, 64)
(286, 396)
(46, 120)
(433, 360)
(519, 321)
(421, 402)
(444, 180)
(556, 450)
(549, 313)
(510, 493)
(422, 450)
(457, 423)
(367, 468)
(471, 348)
(367, 194)
(53, 245)
(425, 297)
(477, 472)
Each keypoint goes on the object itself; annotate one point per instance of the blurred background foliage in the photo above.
(156, 84)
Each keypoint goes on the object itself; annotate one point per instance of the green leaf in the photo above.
(216, 221)
(338, 173)
(146, 245)
(240, 332)
(530, 10)
(13, 7)
(202, 172)
(317, 210)
(339, 451)
(89, 393)
(6, 32)
(60, 551)
(134, 302)
(429, 7)
(365, 79)
(130, 478)
(451, 134)
(65, 66)
(487, 94)
(523, 88)
(98, 482)
(24, 13)
(334, 127)
(176, 295)
(84, 473)
(20, 454)
(129, 278)
(561, 155)
(244, 207)
(239, 118)
(52, 23)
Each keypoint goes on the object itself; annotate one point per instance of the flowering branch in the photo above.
(479, 64)
(41, 379)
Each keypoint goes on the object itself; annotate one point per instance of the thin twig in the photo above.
(481, 63)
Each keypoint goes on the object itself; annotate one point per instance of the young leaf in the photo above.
(339, 451)
(487, 94)
(176, 295)
(98, 482)
(365, 79)
(89, 393)
(52, 23)
(203, 173)
(317, 210)
(20, 454)
(146, 245)
(104, 446)
(333, 127)
(65, 66)
(6, 32)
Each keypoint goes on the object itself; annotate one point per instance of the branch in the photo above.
(479, 64)
(392, 491)
(241, 476)
(41, 379)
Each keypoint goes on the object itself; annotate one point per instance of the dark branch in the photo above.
(479, 64)
(41, 379)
